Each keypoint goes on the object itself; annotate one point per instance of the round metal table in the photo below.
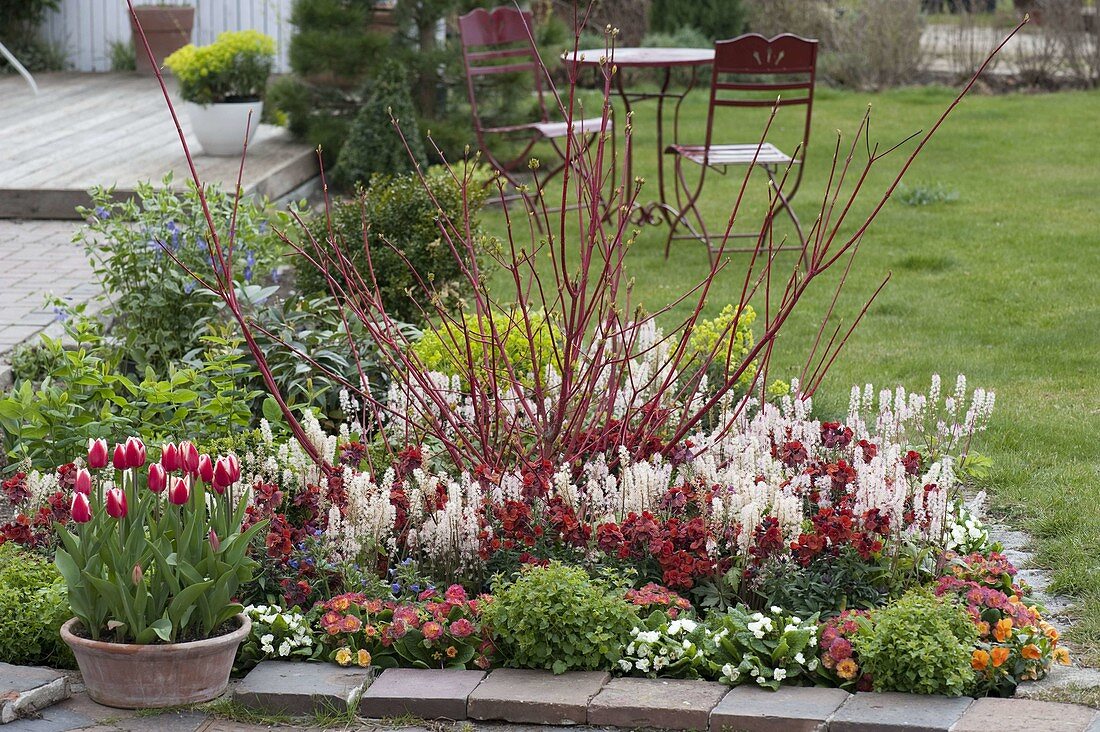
(665, 59)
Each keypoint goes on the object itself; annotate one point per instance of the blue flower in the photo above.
(293, 563)
(396, 588)
(102, 213)
(175, 232)
(406, 561)
(60, 313)
(249, 263)
(415, 588)
(201, 244)
(189, 287)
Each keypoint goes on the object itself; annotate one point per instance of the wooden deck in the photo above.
(114, 129)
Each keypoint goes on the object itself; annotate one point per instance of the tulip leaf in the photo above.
(163, 628)
(184, 602)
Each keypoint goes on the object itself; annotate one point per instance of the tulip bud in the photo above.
(97, 453)
(83, 481)
(116, 503)
(158, 477)
(215, 544)
(206, 469)
(137, 575)
(179, 492)
(234, 467)
(223, 475)
(119, 458)
(135, 452)
(80, 509)
(189, 457)
(170, 457)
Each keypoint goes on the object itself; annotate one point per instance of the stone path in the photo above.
(37, 260)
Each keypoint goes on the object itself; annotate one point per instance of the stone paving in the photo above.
(38, 260)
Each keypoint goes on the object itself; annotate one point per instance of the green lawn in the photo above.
(999, 284)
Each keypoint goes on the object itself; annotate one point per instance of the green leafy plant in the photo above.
(234, 68)
(399, 219)
(926, 194)
(715, 19)
(33, 605)
(373, 145)
(159, 312)
(85, 393)
(141, 569)
(765, 648)
(450, 349)
(557, 618)
(920, 645)
(123, 56)
(276, 634)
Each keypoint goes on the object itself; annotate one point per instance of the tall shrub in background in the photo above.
(716, 19)
(372, 145)
(19, 23)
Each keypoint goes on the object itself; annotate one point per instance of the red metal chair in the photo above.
(499, 42)
(748, 72)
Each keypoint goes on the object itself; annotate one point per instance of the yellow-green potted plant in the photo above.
(223, 84)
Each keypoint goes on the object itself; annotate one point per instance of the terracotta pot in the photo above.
(129, 676)
(220, 128)
(167, 28)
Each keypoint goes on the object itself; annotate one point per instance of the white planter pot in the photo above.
(220, 128)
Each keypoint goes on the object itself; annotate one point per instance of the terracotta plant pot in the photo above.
(128, 676)
(167, 27)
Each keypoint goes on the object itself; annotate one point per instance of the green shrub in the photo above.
(33, 606)
(920, 645)
(373, 145)
(159, 312)
(441, 349)
(400, 213)
(86, 393)
(233, 68)
(715, 19)
(557, 618)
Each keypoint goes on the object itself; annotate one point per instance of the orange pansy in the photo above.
(999, 655)
(980, 660)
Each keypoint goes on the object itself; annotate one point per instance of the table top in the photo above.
(645, 57)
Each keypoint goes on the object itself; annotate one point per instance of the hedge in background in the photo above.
(33, 606)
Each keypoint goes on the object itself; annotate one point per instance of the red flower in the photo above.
(81, 510)
(83, 482)
(116, 503)
(911, 461)
(462, 628)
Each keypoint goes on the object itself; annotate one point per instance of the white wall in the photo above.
(85, 28)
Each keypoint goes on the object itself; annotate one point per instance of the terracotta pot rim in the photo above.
(235, 637)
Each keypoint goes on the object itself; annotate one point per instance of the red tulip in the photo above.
(116, 503)
(170, 457)
(135, 452)
(206, 469)
(215, 544)
(189, 457)
(83, 481)
(234, 467)
(81, 510)
(158, 477)
(179, 492)
(97, 453)
(223, 474)
(119, 458)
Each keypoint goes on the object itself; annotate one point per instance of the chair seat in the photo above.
(768, 154)
(554, 130)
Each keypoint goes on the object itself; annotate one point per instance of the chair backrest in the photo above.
(494, 42)
(751, 71)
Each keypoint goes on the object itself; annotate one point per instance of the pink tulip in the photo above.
(81, 510)
(137, 575)
(223, 474)
(158, 477)
(83, 481)
(170, 457)
(97, 453)
(119, 458)
(215, 544)
(234, 467)
(178, 492)
(189, 457)
(135, 452)
(116, 503)
(206, 469)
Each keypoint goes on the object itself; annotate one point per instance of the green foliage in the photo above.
(373, 145)
(123, 57)
(159, 312)
(926, 194)
(921, 645)
(721, 336)
(557, 618)
(35, 53)
(767, 649)
(85, 393)
(828, 585)
(33, 606)
(451, 349)
(715, 19)
(404, 238)
(234, 68)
